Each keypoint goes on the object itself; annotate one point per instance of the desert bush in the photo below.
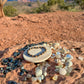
(10, 11)
(82, 4)
(77, 1)
(51, 2)
(54, 8)
(53, 5)
(43, 8)
(47, 7)
(29, 4)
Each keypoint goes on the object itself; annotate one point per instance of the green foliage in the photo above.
(51, 2)
(77, 1)
(53, 5)
(46, 7)
(43, 8)
(38, 2)
(10, 11)
(29, 4)
(82, 4)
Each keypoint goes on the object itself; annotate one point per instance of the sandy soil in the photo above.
(64, 27)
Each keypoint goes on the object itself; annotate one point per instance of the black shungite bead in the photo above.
(4, 61)
(9, 64)
(21, 73)
(33, 75)
(10, 59)
(11, 82)
(26, 71)
(24, 48)
(36, 63)
(1, 69)
(19, 59)
(23, 70)
(20, 49)
(16, 63)
(16, 54)
(41, 43)
(13, 67)
(3, 76)
(32, 44)
(8, 68)
(19, 64)
(5, 71)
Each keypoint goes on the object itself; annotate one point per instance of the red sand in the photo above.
(65, 27)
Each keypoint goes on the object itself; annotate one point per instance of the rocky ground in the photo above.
(67, 28)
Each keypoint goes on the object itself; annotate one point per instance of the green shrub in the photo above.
(29, 4)
(77, 1)
(51, 2)
(10, 11)
(82, 4)
(53, 5)
(43, 8)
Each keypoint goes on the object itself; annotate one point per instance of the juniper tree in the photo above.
(2, 2)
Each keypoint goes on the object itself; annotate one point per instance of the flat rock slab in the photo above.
(31, 55)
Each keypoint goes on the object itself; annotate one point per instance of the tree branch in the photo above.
(4, 1)
(0, 2)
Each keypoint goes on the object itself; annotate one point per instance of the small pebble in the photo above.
(63, 60)
(21, 73)
(45, 73)
(62, 71)
(51, 47)
(68, 56)
(38, 71)
(60, 66)
(56, 60)
(22, 67)
(81, 58)
(69, 63)
(73, 49)
(44, 44)
(56, 70)
(34, 79)
(39, 79)
(42, 77)
(47, 64)
(58, 55)
(56, 45)
(29, 76)
(53, 55)
(44, 69)
(55, 77)
(69, 70)
(65, 50)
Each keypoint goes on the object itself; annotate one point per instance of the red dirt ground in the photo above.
(64, 27)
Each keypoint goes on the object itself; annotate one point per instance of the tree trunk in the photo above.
(1, 12)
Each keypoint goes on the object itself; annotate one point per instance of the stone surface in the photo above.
(62, 71)
(40, 58)
(55, 77)
(38, 72)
